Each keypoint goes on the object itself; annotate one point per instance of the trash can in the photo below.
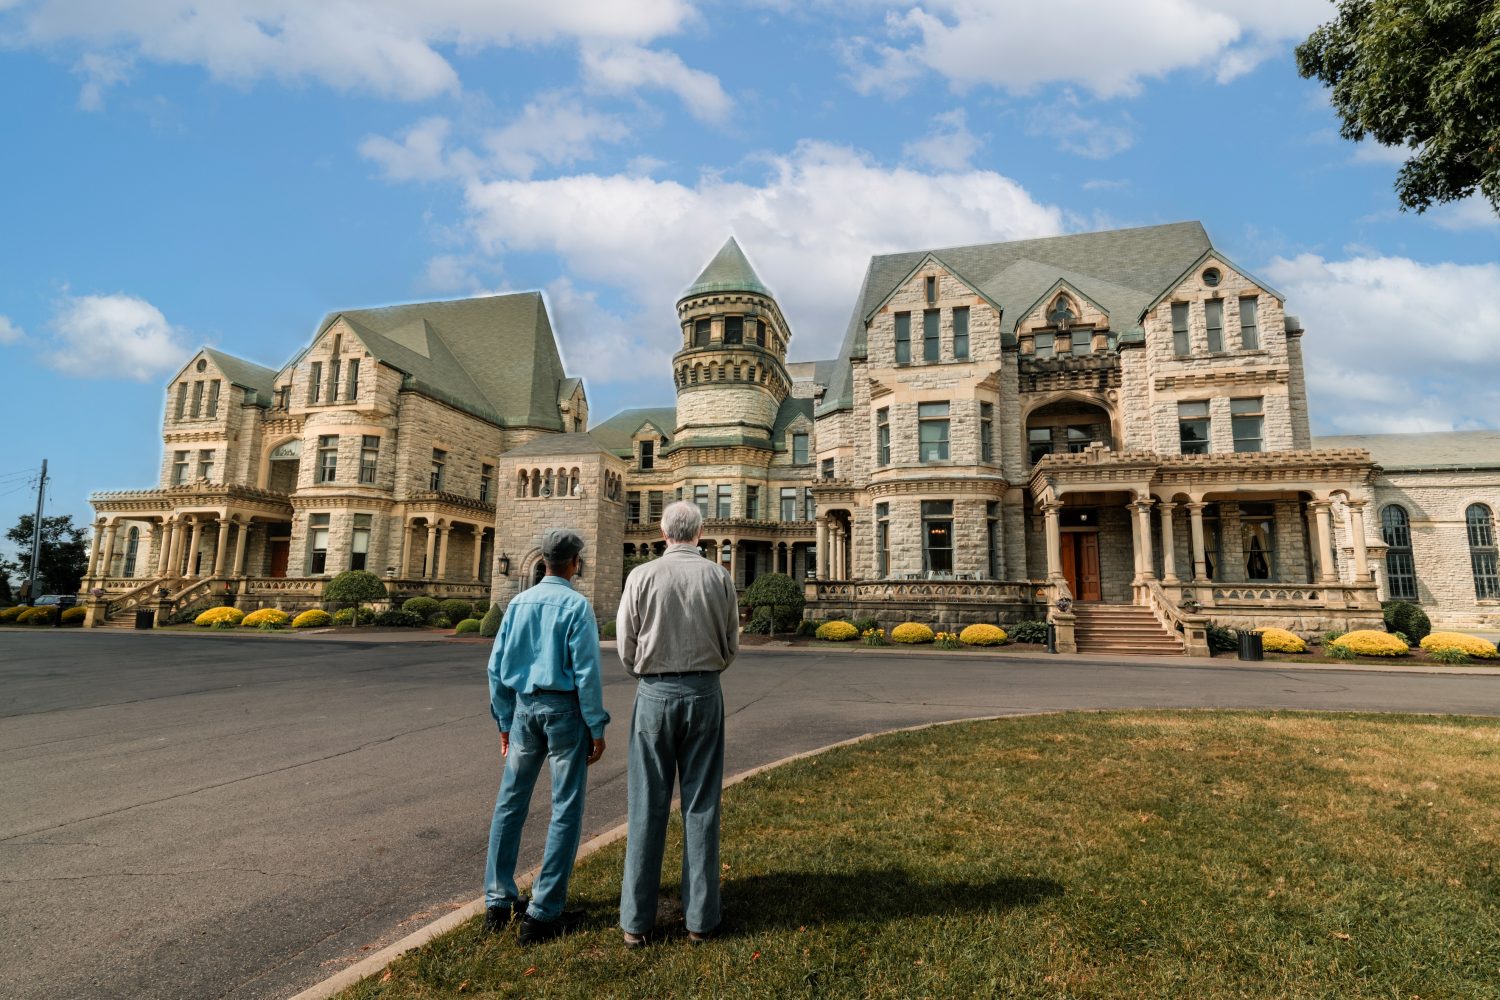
(145, 618)
(1051, 637)
(1250, 646)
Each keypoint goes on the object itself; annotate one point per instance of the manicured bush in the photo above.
(343, 616)
(1033, 631)
(489, 625)
(808, 626)
(456, 610)
(946, 640)
(1448, 654)
(440, 621)
(427, 607)
(911, 633)
(312, 618)
(607, 630)
(837, 632)
(1279, 640)
(356, 587)
(1469, 645)
(399, 618)
(774, 594)
(74, 615)
(215, 615)
(1221, 639)
(1368, 642)
(982, 635)
(9, 615)
(1406, 618)
(273, 617)
(38, 616)
(874, 637)
(467, 626)
(865, 624)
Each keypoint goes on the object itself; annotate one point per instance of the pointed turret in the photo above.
(729, 271)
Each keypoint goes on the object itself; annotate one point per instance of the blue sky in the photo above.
(226, 173)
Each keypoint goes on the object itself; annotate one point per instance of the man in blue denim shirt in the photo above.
(547, 696)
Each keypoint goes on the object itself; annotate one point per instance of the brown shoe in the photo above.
(635, 940)
(703, 937)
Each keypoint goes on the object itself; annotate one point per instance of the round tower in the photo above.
(730, 373)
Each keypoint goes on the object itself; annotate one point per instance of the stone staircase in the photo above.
(1123, 629)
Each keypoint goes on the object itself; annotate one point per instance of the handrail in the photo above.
(131, 599)
(1192, 627)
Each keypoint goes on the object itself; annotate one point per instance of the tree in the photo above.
(1421, 74)
(65, 556)
(7, 570)
(775, 601)
(354, 586)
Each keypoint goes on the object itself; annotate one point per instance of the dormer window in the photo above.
(648, 455)
(1062, 314)
(1212, 277)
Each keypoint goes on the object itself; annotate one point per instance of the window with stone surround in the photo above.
(648, 455)
(1482, 554)
(633, 506)
(335, 370)
(1247, 417)
(903, 337)
(986, 432)
(1258, 540)
(1193, 427)
(317, 544)
(182, 391)
(1213, 319)
(789, 503)
(359, 542)
(1400, 568)
(369, 457)
(1044, 345)
(206, 463)
(439, 466)
(937, 536)
(760, 333)
(328, 457)
(1080, 436)
(752, 502)
(883, 540)
(883, 436)
(179, 467)
(701, 330)
(725, 507)
(655, 504)
(932, 432)
(799, 449)
(1249, 332)
(1039, 442)
(213, 398)
(827, 468)
(961, 332)
(1080, 343)
(734, 330)
(315, 383)
(809, 506)
(992, 537)
(932, 345)
(197, 408)
(700, 497)
(1180, 343)
(352, 391)
(931, 284)
(486, 482)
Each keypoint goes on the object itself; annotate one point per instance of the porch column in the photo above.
(403, 559)
(168, 543)
(427, 567)
(822, 570)
(109, 546)
(1357, 537)
(734, 561)
(1322, 531)
(443, 532)
(1168, 543)
(221, 550)
(193, 546)
(1200, 556)
(837, 570)
(1054, 539)
(1145, 560)
(94, 552)
(241, 548)
(478, 551)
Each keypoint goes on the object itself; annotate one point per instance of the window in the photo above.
(1258, 540)
(648, 455)
(132, 548)
(1192, 427)
(179, 467)
(284, 398)
(799, 449)
(700, 497)
(439, 461)
(197, 398)
(903, 338)
(1482, 554)
(752, 502)
(1081, 343)
(369, 455)
(809, 507)
(334, 368)
(937, 536)
(1213, 318)
(205, 463)
(827, 472)
(317, 543)
(1400, 569)
(931, 289)
(486, 482)
(932, 432)
(701, 330)
(932, 348)
(1045, 344)
(1249, 334)
(359, 542)
(726, 502)
(1247, 417)
(1039, 442)
(760, 333)
(655, 504)
(1211, 276)
(328, 457)
(883, 436)
(213, 398)
(1180, 344)
(315, 383)
(181, 399)
(961, 333)
(633, 506)
(992, 537)
(789, 503)
(734, 329)
(883, 539)
(1080, 436)
(986, 432)
(352, 392)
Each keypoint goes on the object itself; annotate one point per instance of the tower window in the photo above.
(734, 329)
(701, 329)
(760, 333)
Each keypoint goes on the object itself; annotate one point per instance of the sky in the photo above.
(227, 172)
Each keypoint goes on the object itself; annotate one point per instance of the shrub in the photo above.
(74, 616)
(343, 616)
(456, 610)
(489, 625)
(607, 630)
(37, 616)
(1279, 640)
(440, 621)
(226, 625)
(982, 635)
(312, 618)
(1368, 642)
(399, 618)
(1330, 636)
(1221, 639)
(1406, 618)
(774, 594)
(426, 607)
(11, 614)
(1034, 631)
(356, 587)
(631, 562)
(946, 640)
(1338, 652)
(865, 624)
(215, 615)
(467, 626)
(911, 633)
(184, 616)
(808, 626)
(266, 616)
(1469, 645)
(837, 632)
(874, 637)
(1448, 654)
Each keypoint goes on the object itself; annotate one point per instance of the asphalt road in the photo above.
(225, 816)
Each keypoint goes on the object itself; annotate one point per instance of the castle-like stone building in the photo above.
(1119, 418)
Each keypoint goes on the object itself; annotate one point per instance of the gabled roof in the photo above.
(1058, 286)
(729, 271)
(618, 432)
(245, 374)
(1202, 259)
(493, 356)
(870, 313)
(566, 387)
(1118, 269)
(791, 408)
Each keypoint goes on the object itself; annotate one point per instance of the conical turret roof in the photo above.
(729, 271)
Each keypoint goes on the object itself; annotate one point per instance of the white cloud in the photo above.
(100, 71)
(387, 47)
(419, 155)
(113, 336)
(1372, 152)
(624, 68)
(9, 332)
(808, 226)
(602, 346)
(554, 130)
(1107, 184)
(1474, 212)
(1395, 344)
(949, 146)
(1072, 132)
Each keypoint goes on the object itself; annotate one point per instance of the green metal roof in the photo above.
(618, 432)
(790, 409)
(729, 271)
(245, 374)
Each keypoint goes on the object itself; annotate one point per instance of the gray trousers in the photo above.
(676, 734)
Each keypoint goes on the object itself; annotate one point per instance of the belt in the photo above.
(549, 691)
(681, 673)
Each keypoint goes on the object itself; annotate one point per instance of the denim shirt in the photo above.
(548, 641)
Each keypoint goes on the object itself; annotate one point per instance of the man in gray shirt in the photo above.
(678, 629)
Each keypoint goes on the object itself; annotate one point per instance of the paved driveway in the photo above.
(225, 816)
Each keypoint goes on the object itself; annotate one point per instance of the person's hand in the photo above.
(596, 750)
(504, 744)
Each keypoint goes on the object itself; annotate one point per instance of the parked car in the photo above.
(59, 600)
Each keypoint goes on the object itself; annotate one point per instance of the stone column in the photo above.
(193, 546)
(478, 551)
(221, 550)
(1054, 539)
(241, 548)
(1323, 528)
(1200, 554)
(734, 561)
(1357, 538)
(428, 570)
(403, 558)
(168, 541)
(109, 547)
(822, 570)
(1168, 543)
(94, 552)
(443, 532)
(1145, 559)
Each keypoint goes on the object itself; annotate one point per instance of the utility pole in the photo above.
(36, 535)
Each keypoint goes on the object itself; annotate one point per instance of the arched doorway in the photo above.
(1070, 424)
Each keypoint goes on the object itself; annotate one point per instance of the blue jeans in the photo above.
(676, 732)
(546, 727)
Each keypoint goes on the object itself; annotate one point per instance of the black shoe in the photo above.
(534, 931)
(499, 916)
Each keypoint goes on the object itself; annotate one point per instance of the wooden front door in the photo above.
(1080, 564)
(280, 549)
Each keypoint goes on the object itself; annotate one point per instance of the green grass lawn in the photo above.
(1172, 855)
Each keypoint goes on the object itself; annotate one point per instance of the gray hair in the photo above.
(682, 522)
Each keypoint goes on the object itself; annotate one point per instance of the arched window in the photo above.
(131, 547)
(1482, 552)
(1400, 570)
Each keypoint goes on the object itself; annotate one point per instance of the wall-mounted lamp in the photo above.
(504, 564)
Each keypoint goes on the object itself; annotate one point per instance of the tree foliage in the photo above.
(356, 587)
(775, 601)
(1420, 74)
(65, 556)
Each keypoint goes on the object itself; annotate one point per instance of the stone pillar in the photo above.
(822, 570)
(1231, 544)
(1323, 529)
(1145, 560)
(221, 550)
(193, 546)
(109, 547)
(1054, 539)
(241, 548)
(1168, 543)
(1200, 553)
(734, 561)
(428, 571)
(94, 552)
(403, 559)
(478, 551)
(168, 542)
(443, 532)
(1357, 539)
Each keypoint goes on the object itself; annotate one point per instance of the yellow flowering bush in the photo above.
(1279, 640)
(312, 618)
(214, 616)
(874, 637)
(911, 633)
(982, 635)
(836, 632)
(74, 615)
(1470, 644)
(1368, 642)
(265, 616)
(40, 615)
(9, 615)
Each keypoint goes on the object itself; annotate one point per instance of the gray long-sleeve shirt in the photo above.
(678, 614)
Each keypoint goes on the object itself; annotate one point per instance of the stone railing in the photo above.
(281, 585)
(944, 591)
(443, 498)
(1291, 596)
(1193, 627)
(122, 604)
